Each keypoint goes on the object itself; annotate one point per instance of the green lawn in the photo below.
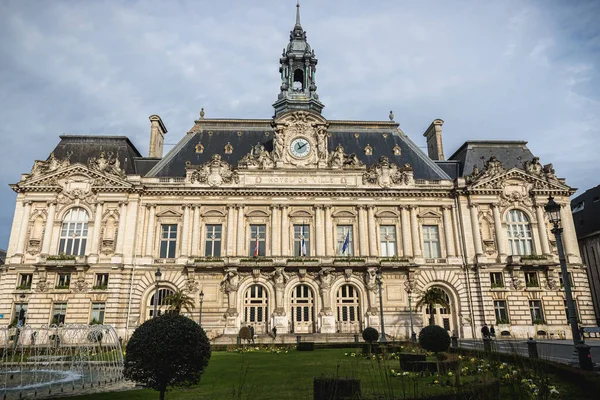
(263, 375)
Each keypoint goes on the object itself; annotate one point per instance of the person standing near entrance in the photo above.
(485, 331)
(274, 332)
(492, 331)
(251, 333)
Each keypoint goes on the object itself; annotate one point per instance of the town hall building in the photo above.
(294, 222)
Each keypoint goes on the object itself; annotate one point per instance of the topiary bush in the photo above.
(166, 351)
(434, 338)
(244, 333)
(370, 335)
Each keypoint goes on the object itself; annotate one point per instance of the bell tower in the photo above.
(298, 63)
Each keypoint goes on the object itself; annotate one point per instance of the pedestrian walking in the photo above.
(492, 331)
(485, 331)
(274, 332)
(251, 333)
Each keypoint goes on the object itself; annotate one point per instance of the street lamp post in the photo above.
(382, 339)
(157, 275)
(553, 212)
(201, 301)
(408, 287)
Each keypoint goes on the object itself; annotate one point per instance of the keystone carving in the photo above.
(386, 174)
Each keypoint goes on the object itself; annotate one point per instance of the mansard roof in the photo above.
(586, 212)
(80, 148)
(474, 153)
(211, 136)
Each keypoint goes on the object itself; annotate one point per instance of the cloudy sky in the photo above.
(526, 70)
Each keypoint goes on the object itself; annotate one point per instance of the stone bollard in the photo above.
(454, 339)
(487, 345)
(585, 358)
(532, 348)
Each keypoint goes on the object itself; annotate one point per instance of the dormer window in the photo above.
(298, 84)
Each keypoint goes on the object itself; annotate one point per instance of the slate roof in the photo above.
(354, 136)
(2, 257)
(80, 148)
(473, 153)
(586, 213)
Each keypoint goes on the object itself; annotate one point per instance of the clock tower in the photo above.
(298, 91)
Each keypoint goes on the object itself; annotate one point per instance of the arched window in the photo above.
(161, 304)
(302, 309)
(518, 229)
(74, 231)
(298, 80)
(348, 309)
(256, 308)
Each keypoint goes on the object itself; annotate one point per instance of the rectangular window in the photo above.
(560, 280)
(496, 280)
(63, 281)
(97, 316)
(25, 281)
(387, 240)
(212, 246)
(567, 311)
(20, 317)
(258, 242)
(101, 282)
(168, 240)
(531, 280)
(537, 314)
(59, 312)
(345, 246)
(501, 312)
(301, 240)
(431, 241)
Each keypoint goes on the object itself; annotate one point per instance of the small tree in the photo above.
(165, 351)
(370, 335)
(434, 338)
(178, 301)
(432, 297)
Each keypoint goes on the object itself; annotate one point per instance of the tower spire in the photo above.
(298, 89)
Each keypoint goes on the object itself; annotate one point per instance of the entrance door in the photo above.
(303, 309)
(348, 309)
(256, 308)
(442, 315)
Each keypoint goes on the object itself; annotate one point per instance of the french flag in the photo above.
(346, 243)
(256, 247)
(303, 247)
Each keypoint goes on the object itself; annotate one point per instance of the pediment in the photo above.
(429, 214)
(170, 213)
(300, 213)
(74, 177)
(516, 179)
(343, 213)
(214, 213)
(386, 214)
(257, 213)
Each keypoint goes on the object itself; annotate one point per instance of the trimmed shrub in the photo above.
(434, 338)
(244, 333)
(370, 335)
(305, 346)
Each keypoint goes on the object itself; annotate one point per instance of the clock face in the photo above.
(300, 147)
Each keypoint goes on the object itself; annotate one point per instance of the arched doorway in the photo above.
(162, 305)
(442, 316)
(256, 308)
(303, 309)
(348, 309)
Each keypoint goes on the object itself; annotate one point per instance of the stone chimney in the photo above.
(435, 148)
(157, 136)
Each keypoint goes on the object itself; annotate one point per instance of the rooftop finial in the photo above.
(298, 12)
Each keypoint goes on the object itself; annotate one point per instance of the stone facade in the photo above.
(287, 222)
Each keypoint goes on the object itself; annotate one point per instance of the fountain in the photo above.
(38, 362)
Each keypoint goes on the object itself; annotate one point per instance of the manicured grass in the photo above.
(262, 375)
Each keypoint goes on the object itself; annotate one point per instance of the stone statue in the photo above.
(338, 157)
(278, 146)
(322, 144)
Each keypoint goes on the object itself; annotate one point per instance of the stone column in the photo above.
(319, 232)
(448, 231)
(569, 237)
(542, 229)
(414, 227)
(95, 232)
(475, 229)
(121, 234)
(405, 225)
(230, 249)
(23, 229)
(240, 231)
(185, 230)
(50, 223)
(329, 234)
(373, 251)
(285, 232)
(363, 235)
(499, 229)
(275, 230)
(195, 232)
(151, 229)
